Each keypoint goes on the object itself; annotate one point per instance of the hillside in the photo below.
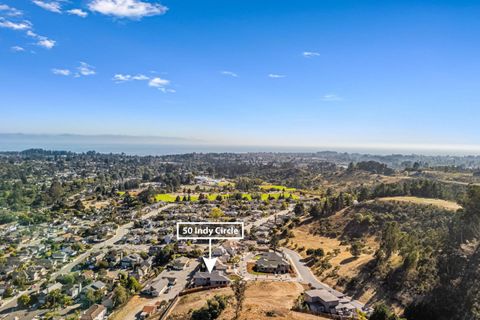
(419, 223)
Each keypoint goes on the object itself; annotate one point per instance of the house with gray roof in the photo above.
(272, 262)
(214, 279)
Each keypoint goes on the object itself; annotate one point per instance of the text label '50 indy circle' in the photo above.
(210, 230)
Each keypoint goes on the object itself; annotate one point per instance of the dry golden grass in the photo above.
(197, 300)
(348, 266)
(449, 205)
(96, 204)
(133, 306)
(264, 297)
(260, 298)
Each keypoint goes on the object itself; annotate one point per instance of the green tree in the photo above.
(120, 295)
(133, 284)
(238, 287)
(90, 297)
(390, 239)
(274, 240)
(299, 209)
(24, 300)
(216, 213)
(356, 248)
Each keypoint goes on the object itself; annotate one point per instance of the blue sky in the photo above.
(304, 73)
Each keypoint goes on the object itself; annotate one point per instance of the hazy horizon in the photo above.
(156, 145)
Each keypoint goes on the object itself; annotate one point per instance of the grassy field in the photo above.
(165, 197)
(449, 205)
(276, 187)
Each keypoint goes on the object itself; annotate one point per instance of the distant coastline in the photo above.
(142, 146)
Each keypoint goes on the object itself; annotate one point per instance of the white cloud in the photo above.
(126, 77)
(133, 9)
(17, 49)
(167, 90)
(85, 69)
(331, 97)
(229, 73)
(46, 43)
(41, 40)
(61, 72)
(51, 6)
(158, 82)
(122, 77)
(140, 77)
(276, 76)
(27, 27)
(24, 25)
(10, 11)
(78, 12)
(310, 54)
(32, 34)
(155, 82)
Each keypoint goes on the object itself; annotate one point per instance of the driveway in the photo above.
(136, 303)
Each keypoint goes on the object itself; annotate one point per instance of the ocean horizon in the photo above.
(127, 145)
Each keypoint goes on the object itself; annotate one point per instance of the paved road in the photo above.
(263, 220)
(119, 233)
(304, 273)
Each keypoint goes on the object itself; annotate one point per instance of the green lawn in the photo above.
(165, 197)
(276, 187)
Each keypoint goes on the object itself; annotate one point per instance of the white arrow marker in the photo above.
(209, 262)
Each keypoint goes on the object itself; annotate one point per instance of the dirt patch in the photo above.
(96, 204)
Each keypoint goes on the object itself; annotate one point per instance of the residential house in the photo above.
(3, 288)
(47, 263)
(214, 279)
(113, 257)
(220, 266)
(321, 300)
(60, 257)
(42, 296)
(130, 261)
(148, 311)
(231, 247)
(218, 252)
(108, 301)
(69, 251)
(272, 262)
(156, 288)
(95, 312)
(74, 291)
(179, 263)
